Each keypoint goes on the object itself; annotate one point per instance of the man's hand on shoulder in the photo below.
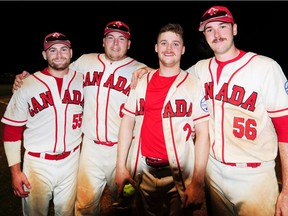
(138, 75)
(18, 81)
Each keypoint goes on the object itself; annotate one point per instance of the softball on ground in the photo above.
(128, 190)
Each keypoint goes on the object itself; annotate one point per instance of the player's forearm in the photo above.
(200, 165)
(283, 151)
(124, 140)
(201, 152)
(15, 170)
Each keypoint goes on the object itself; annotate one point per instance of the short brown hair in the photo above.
(173, 27)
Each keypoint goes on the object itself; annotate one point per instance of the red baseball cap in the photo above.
(118, 26)
(216, 13)
(56, 38)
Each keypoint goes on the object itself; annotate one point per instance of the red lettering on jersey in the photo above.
(181, 109)
(140, 111)
(47, 100)
(237, 95)
(127, 90)
(121, 111)
(74, 99)
(96, 78)
(109, 82)
(119, 85)
(236, 98)
(223, 93)
(168, 111)
(67, 97)
(35, 107)
(209, 90)
(187, 127)
(189, 111)
(249, 104)
(77, 98)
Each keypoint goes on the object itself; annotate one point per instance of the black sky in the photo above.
(262, 27)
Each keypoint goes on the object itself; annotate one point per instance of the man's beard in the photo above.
(59, 67)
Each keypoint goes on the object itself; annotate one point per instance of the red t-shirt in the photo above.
(152, 136)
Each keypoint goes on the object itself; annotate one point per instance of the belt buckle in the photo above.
(155, 163)
(241, 165)
(61, 155)
(150, 162)
(58, 156)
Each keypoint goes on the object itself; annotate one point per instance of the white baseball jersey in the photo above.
(183, 108)
(249, 92)
(53, 121)
(106, 87)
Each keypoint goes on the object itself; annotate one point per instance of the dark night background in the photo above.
(24, 24)
(262, 28)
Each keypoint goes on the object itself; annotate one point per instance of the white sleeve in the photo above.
(191, 70)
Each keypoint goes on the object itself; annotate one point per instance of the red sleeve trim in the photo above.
(281, 127)
(12, 133)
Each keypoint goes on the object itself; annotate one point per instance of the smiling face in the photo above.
(116, 45)
(170, 48)
(58, 56)
(220, 36)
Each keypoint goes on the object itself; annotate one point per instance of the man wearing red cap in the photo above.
(107, 79)
(246, 95)
(50, 105)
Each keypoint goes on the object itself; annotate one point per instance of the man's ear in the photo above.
(156, 48)
(183, 50)
(44, 55)
(235, 31)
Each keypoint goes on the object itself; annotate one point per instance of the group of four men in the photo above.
(144, 135)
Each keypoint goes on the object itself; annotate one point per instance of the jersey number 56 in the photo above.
(245, 128)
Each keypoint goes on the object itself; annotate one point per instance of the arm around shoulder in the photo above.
(138, 75)
(18, 81)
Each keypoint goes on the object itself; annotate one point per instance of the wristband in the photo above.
(13, 152)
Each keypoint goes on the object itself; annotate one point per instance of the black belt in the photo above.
(159, 168)
(156, 162)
